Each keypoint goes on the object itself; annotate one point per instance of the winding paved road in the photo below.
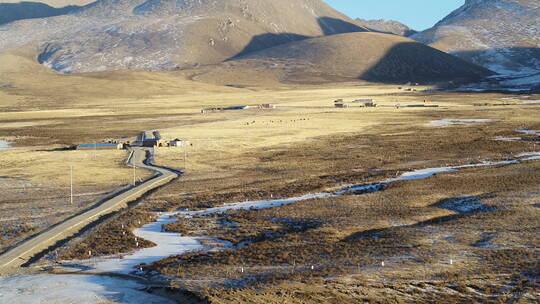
(26, 250)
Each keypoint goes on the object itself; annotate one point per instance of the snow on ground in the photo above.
(429, 172)
(451, 122)
(502, 138)
(528, 132)
(529, 156)
(465, 205)
(255, 205)
(168, 244)
(47, 288)
(531, 101)
(4, 145)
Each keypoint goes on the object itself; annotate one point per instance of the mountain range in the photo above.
(288, 39)
(158, 34)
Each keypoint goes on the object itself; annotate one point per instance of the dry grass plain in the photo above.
(303, 146)
(35, 183)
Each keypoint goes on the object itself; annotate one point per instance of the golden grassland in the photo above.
(35, 185)
(345, 239)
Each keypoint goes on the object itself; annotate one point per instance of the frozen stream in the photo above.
(54, 288)
(170, 243)
(451, 122)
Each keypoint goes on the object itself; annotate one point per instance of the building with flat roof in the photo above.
(101, 146)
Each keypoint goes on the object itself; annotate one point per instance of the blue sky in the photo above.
(417, 14)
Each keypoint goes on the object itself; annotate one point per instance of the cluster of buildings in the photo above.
(148, 139)
(365, 102)
(103, 146)
(243, 107)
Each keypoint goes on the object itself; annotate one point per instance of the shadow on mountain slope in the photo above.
(513, 59)
(10, 12)
(329, 26)
(415, 62)
(332, 26)
(268, 40)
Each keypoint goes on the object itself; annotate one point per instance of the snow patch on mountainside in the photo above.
(501, 35)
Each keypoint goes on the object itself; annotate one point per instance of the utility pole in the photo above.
(134, 176)
(71, 178)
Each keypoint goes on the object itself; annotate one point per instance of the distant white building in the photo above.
(177, 143)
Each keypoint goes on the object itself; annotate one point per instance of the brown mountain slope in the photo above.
(386, 26)
(167, 35)
(367, 56)
(54, 3)
(502, 35)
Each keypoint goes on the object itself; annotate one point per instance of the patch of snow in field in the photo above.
(421, 174)
(168, 244)
(4, 145)
(529, 132)
(450, 122)
(529, 156)
(501, 138)
(530, 101)
(362, 188)
(46, 288)
(255, 205)
(465, 205)
(171, 243)
(429, 172)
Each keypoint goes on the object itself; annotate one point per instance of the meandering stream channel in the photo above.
(170, 243)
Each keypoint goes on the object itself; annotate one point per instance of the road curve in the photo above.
(26, 250)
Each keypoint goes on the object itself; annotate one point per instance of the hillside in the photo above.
(53, 3)
(168, 35)
(502, 35)
(371, 57)
(386, 26)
